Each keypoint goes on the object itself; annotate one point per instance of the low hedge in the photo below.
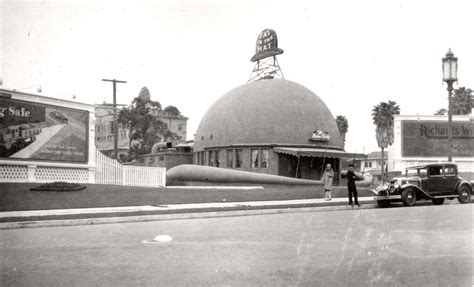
(59, 186)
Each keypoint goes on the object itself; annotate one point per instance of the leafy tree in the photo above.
(143, 127)
(172, 110)
(343, 127)
(462, 101)
(441, 112)
(382, 117)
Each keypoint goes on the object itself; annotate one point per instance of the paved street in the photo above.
(417, 246)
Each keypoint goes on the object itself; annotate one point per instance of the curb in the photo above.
(176, 216)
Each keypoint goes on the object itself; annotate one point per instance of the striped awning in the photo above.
(318, 152)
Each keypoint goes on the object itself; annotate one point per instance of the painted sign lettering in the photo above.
(430, 139)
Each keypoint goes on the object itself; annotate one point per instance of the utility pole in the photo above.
(114, 81)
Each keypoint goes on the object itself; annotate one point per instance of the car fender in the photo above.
(420, 193)
(463, 182)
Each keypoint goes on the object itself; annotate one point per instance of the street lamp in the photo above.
(450, 70)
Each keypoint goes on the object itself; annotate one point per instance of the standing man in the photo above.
(351, 186)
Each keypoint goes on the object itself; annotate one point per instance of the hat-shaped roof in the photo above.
(266, 46)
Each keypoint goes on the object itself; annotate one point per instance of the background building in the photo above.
(167, 155)
(105, 129)
(373, 164)
(104, 132)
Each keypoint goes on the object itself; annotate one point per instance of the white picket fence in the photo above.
(110, 171)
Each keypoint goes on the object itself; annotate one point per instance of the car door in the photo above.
(450, 179)
(436, 180)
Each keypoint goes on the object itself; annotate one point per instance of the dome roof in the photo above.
(266, 112)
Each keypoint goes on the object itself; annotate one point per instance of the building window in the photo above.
(180, 127)
(265, 158)
(254, 158)
(161, 158)
(230, 158)
(238, 158)
(369, 164)
(211, 158)
(218, 162)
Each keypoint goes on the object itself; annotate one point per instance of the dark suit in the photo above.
(351, 186)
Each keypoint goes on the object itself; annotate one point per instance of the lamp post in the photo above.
(450, 70)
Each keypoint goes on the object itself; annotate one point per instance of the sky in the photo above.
(352, 54)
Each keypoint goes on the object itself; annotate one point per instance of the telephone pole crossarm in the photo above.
(114, 81)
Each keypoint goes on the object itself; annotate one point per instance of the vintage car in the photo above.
(435, 182)
(58, 116)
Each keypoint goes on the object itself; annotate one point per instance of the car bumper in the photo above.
(388, 197)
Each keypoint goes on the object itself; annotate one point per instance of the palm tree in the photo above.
(343, 127)
(382, 117)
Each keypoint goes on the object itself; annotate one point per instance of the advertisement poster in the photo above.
(430, 139)
(32, 131)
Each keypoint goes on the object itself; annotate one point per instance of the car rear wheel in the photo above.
(438, 201)
(409, 197)
(464, 194)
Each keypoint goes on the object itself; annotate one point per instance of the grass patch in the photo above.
(58, 186)
(18, 197)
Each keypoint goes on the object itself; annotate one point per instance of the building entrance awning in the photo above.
(318, 152)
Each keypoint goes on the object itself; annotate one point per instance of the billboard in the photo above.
(430, 138)
(34, 131)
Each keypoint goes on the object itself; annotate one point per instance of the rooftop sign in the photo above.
(266, 46)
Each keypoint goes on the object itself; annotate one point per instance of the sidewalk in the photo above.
(65, 217)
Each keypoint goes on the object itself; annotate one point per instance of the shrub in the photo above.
(58, 186)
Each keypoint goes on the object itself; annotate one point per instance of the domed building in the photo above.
(271, 126)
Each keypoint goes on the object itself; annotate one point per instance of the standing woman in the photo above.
(327, 180)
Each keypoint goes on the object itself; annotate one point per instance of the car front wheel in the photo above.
(438, 201)
(409, 197)
(464, 194)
